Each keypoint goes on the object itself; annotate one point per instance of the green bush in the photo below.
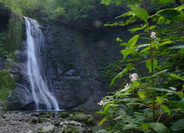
(143, 105)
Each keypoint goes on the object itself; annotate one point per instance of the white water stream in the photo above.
(43, 98)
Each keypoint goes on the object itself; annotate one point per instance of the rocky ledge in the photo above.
(46, 122)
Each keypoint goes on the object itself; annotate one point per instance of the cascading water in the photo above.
(42, 96)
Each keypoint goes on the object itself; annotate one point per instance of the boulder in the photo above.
(48, 129)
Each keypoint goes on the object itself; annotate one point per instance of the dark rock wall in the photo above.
(72, 59)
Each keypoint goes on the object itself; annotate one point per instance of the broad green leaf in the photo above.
(149, 65)
(159, 99)
(166, 109)
(103, 120)
(106, 2)
(178, 125)
(133, 30)
(130, 90)
(181, 51)
(119, 75)
(132, 42)
(158, 127)
(152, 27)
(125, 14)
(125, 89)
(142, 45)
(141, 95)
(177, 47)
(161, 72)
(136, 84)
(180, 8)
(163, 90)
(179, 94)
(145, 126)
(139, 12)
(145, 49)
(178, 104)
(123, 44)
(133, 59)
(120, 117)
(127, 52)
(176, 76)
(140, 118)
(119, 3)
(166, 42)
(168, 13)
(106, 107)
(164, 1)
(130, 126)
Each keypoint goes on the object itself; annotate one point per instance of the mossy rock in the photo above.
(42, 113)
(42, 120)
(81, 117)
(90, 121)
(39, 120)
(46, 115)
(80, 112)
(70, 129)
(34, 121)
(64, 115)
(47, 129)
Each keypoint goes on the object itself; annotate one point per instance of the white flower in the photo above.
(153, 35)
(127, 86)
(133, 77)
(101, 103)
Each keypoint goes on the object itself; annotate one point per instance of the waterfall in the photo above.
(43, 98)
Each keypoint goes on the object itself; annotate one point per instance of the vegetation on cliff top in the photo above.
(67, 9)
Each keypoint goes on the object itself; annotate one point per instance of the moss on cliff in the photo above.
(7, 83)
(14, 33)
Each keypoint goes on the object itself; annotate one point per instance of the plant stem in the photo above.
(152, 82)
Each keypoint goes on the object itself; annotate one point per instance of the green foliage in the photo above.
(109, 70)
(7, 83)
(144, 105)
(2, 41)
(139, 12)
(76, 8)
(49, 9)
(178, 125)
(14, 33)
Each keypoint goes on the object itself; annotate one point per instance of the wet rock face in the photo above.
(71, 58)
(20, 98)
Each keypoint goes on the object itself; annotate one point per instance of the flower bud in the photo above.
(127, 86)
(133, 77)
(101, 103)
(153, 35)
